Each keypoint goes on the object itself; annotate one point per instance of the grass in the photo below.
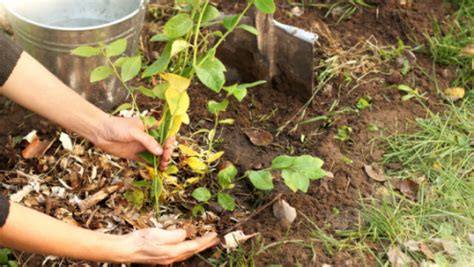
(450, 37)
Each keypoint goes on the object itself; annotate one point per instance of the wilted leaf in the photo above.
(375, 174)
(215, 157)
(409, 188)
(176, 82)
(177, 102)
(397, 258)
(259, 137)
(454, 93)
(188, 151)
(234, 239)
(178, 46)
(196, 164)
(284, 212)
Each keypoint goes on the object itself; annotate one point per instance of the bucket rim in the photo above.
(8, 7)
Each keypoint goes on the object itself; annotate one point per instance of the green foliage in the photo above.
(5, 255)
(86, 51)
(410, 93)
(364, 102)
(343, 134)
(297, 172)
(201, 194)
(226, 201)
(216, 107)
(265, 6)
(101, 73)
(211, 73)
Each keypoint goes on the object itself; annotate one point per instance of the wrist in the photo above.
(121, 249)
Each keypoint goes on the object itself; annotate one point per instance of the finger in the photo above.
(147, 141)
(193, 246)
(167, 153)
(164, 237)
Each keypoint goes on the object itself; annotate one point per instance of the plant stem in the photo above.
(196, 34)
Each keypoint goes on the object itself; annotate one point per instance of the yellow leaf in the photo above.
(178, 102)
(151, 171)
(187, 151)
(178, 83)
(174, 129)
(215, 156)
(172, 170)
(192, 181)
(455, 93)
(185, 118)
(196, 164)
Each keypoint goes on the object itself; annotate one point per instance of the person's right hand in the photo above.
(157, 246)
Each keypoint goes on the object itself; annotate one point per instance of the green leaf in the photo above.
(282, 162)
(230, 22)
(146, 92)
(178, 26)
(201, 194)
(405, 88)
(363, 103)
(116, 48)
(249, 28)
(178, 46)
(100, 73)
(343, 133)
(160, 90)
(123, 107)
(86, 51)
(148, 157)
(161, 64)
(211, 13)
(265, 6)
(262, 180)
(226, 176)
(119, 62)
(131, 67)
(216, 107)
(226, 201)
(295, 180)
(198, 209)
(161, 37)
(211, 73)
(135, 197)
(149, 121)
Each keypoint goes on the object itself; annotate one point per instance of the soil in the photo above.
(267, 108)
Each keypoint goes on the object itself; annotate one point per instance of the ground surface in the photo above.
(331, 203)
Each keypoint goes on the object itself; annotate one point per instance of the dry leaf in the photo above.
(66, 141)
(426, 250)
(449, 246)
(409, 188)
(471, 238)
(375, 174)
(234, 239)
(297, 11)
(413, 245)
(36, 148)
(455, 93)
(259, 137)
(397, 258)
(284, 212)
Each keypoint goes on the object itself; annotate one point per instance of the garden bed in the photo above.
(351, 50)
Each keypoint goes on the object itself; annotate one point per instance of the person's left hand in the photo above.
(126, 138)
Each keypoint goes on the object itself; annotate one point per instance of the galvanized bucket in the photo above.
(50, 29)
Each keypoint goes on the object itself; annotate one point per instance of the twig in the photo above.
(258, 211)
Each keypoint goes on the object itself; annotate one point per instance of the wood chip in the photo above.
(36, 148)
(97, 197)
(234, 239)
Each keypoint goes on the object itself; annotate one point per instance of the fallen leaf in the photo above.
(259, 137)
(449, 246)
(30, 136)
(66, 141)
(234, 239)
(297, 11)
(426, 250)
(284, 212)
(36, 148)
(471, 238)
(375, 174)
(409, 188)
(455, 93)
(414, 246)
(397, 258)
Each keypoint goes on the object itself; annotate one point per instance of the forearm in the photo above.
(29, 230)
(34, 87)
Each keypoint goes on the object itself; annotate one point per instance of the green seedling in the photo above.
(189, 52)
(5, 255)
(364, 102)
(297, 172)
(343, 133)
(410, 93)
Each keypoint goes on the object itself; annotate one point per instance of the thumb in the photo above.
(147, 141)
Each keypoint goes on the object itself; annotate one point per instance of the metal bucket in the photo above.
(50, 29)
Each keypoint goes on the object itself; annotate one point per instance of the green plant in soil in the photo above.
(5, 258)
(189, 52)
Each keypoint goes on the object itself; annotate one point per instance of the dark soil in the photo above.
(387, 22)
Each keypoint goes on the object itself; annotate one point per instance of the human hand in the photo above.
(157, 246)
(126, 138)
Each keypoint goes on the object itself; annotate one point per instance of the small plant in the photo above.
(190, 48)
(297, 172)
(5, 255)
(364, 102)
(410, 93)
(343, 133)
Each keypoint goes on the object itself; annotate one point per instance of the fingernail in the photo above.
(158, 151)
